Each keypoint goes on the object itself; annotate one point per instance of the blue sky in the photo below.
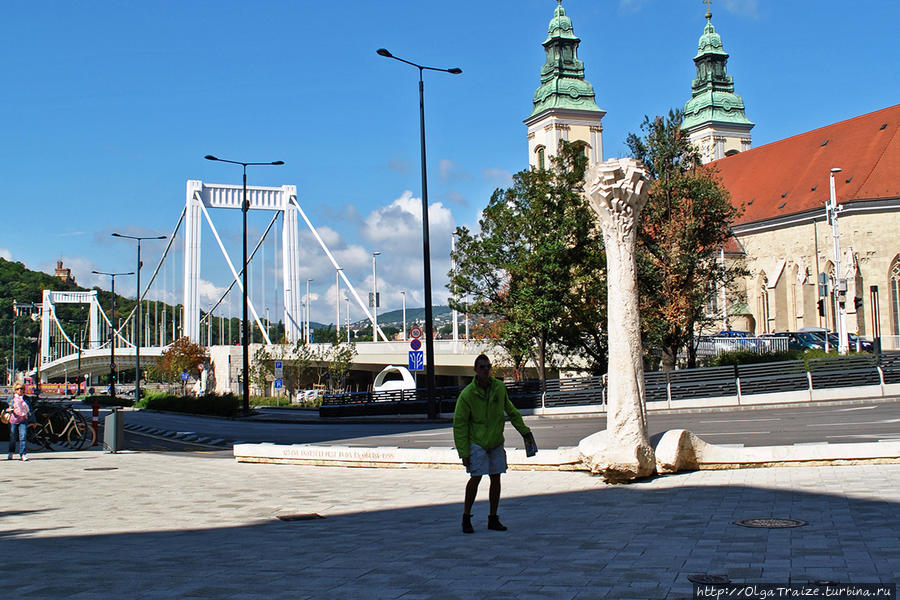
(109, 107)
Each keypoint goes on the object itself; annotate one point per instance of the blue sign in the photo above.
(415, 344)
(416, 360)
(185, 376)
(279, 383)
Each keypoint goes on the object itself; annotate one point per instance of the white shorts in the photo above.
(486, 462)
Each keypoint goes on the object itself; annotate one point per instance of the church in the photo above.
(800, 273)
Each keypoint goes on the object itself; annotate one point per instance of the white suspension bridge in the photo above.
(102, 338)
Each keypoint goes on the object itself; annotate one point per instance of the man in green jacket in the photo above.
(478, 433)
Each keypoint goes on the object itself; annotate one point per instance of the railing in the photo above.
(794, 380)
(714, 346)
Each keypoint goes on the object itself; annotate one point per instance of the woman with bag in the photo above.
(18, 421)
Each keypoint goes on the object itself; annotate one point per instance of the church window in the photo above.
(732, 152)
(894, 284)
(541, 158)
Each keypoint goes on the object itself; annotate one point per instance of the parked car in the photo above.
(834, 341)
(798, 341)
(742, 339)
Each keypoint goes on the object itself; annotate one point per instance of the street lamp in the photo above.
(308, 328)
(403, 295)
(374, 302)
(245, 339)
(426, 250)
(337, 304)
(112, 336)
(138, 327)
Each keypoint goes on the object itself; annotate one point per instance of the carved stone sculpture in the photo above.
(617, 191)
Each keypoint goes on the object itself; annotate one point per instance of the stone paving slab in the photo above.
(178, 525)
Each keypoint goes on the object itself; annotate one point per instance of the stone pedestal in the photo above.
(617, 191)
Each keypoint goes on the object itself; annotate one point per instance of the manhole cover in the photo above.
(771, 523)
(300, 517)
(707, 579)
(101, 468)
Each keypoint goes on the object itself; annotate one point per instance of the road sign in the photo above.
(279, 383)
(185, 376)
(416, 360)
(415, 332)
(279, 369)
(415, 344)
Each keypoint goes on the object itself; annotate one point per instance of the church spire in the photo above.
(714, 116)
(563, 105)
(562, 76)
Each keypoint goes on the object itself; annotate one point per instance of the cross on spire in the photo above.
(708, 11)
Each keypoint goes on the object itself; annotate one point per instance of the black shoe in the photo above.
(467, 524)
(495, 524)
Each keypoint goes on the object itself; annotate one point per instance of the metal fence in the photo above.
(711, 346)
(737, 383)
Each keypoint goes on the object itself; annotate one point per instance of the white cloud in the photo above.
(210, 292)
(5, 254)
(743, 8)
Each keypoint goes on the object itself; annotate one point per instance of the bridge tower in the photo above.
(199, 197)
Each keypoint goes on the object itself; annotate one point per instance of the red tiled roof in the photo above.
(791, 175)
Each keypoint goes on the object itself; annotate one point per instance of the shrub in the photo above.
(105, 400)
(209, 404)
(747, 357)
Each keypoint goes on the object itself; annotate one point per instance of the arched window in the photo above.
(763, 287)
(541, 157)
(894, 284)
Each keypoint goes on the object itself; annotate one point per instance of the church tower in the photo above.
(564, 106)
(714, 117)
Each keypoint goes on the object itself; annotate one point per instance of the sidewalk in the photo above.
(146, 526)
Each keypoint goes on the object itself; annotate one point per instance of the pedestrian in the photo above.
(478, 433)
(18, 421)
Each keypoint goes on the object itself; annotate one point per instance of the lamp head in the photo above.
(455, 70)
(116, 235)
(210, 157)
(836, 170)
(384, 52)
(278, 162)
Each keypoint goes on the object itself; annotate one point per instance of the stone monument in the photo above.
(617, 191)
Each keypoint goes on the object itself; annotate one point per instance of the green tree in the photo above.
(535, 255)
(182, 355)
(685, 223)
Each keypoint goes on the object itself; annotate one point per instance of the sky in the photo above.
(108, 108)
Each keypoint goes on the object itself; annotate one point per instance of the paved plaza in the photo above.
(190, 525)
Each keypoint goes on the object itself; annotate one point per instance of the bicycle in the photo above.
(55, 426)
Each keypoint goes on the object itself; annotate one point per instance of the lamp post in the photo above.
(403, 296)
(112, 336)
(139, 326)
(245, 331)
(308, 328)
(832, 210)
(426, 249)
(347, 300)
(374, 302)
(337, 304)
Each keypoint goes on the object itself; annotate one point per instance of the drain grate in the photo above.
(708, 579)
(299, 517)
(771, 523)
(101, 468)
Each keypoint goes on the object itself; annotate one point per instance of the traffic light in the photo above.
(821, 304)
(857, 303)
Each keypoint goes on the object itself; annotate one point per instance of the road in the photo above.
(839, 422)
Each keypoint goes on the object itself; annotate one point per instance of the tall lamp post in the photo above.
(112, 336)
(426, 249)
(245, 333)
(139, 326)
(308, 327)
(374, 302)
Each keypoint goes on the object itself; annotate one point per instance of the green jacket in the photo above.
(479, 416)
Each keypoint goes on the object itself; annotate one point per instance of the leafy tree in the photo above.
(182, 355)
(686, 221)
(537, 253)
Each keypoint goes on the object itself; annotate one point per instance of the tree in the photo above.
(182, 355)
(525, 270)
(685, 223)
